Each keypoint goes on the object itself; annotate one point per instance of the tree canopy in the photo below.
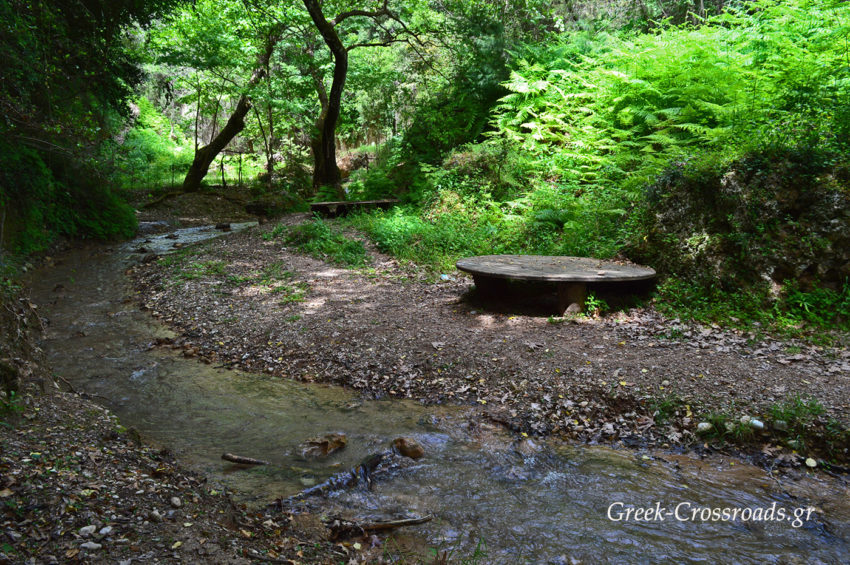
(510, 126)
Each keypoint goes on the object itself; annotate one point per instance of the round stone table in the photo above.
(569, 274)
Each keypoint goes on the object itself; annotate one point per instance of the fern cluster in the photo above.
(597, 108)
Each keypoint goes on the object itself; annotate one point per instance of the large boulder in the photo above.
(767, 218)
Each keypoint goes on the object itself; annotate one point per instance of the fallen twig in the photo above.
(393, 524)
(243, 460)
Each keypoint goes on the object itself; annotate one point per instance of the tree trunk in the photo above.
(205, 155)
(325, 171)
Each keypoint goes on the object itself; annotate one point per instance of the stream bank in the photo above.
(526, 500)
(633, 378)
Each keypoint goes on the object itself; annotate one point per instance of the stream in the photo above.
(524, 501)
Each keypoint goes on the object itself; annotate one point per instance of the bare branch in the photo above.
(383, 11)
(385, 43)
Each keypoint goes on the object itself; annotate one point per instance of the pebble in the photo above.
(703, 427)
(780, 425)
(105, 531)
(155, 516)
(87, 531)
(811, 463)
(91, 545)
(757, 424)
(176, 502)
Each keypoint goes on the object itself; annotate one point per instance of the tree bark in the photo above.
(205, 155)
(325, 170)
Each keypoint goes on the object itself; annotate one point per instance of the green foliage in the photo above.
(665, 406)
(68, 72)
(10, 404)
(202, 269)
(598, 108)
(822, 307)
(67, 198)
(154, 153)
(595, 306)
(797, 412)
(755, 238)
(436, 242)
(322, 241)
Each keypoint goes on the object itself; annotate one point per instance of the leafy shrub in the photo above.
(153, 153)
(318, 239)
(66, 198)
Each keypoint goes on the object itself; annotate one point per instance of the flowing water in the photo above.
(526, 502)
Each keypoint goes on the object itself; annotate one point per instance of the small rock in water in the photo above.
(90, 545)
(526, 447)
(323, 446)
(176, 502)
(703, 427)
(408, 447)
(87, 531)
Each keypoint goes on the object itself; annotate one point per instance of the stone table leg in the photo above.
(571, 297)
(490, 287)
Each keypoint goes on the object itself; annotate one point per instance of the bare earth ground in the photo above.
(390, 332)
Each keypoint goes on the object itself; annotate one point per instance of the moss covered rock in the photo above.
(765, 219)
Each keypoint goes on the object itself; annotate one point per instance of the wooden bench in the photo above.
(343, 207)
(570, 275)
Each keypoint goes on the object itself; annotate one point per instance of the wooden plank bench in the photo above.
(343, 207)
(570, 275)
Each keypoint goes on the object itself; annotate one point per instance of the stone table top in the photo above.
(553, 268)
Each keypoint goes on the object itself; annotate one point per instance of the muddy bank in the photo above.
(250, 302)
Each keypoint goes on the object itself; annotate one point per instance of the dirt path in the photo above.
(633, 377)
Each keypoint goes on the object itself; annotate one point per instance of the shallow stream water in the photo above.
(525, 501)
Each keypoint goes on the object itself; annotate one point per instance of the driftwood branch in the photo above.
(341, 529)
(393, 524)
(243, 460)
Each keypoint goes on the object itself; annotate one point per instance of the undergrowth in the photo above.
(322, 241)
(813, 315)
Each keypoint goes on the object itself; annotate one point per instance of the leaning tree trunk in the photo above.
(325, 170)
(205, 155)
